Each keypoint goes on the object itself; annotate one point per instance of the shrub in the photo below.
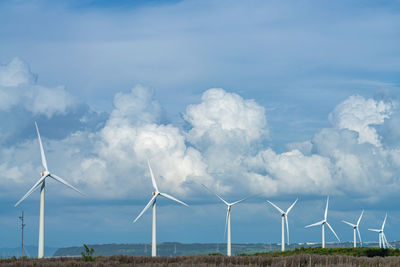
(87, 255)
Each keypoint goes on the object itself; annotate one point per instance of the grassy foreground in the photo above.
(302, 257)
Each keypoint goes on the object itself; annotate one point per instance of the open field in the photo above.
(306, 257)
(216, 260)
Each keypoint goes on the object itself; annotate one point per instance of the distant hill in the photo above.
(29, 251)
(163, 249)
(171, 249)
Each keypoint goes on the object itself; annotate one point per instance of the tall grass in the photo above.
(216, 260)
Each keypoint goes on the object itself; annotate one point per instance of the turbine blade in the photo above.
(384, 221)
(226, 203)
(61, 180)
(36, 185)
(383, 240)
(387, 243)
(359, 235)
(374, 230)
(359, 219)
(330, 227)
(326, 208)
(243, 199)
(174, 199)
(290, 208)
(352, 225)
(44, 162)
(145, 208)
(315, 224)
(153, 180)
(287, 229)
(276, 207)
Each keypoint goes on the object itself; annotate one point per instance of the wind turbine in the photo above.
(284, 216)
(228, 218)
(382, 237)
(355, 227)
(153, 201)
(322, 223)
(41, 182)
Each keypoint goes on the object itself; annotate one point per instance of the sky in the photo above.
(281, 100)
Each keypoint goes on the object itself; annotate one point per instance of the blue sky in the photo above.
(294, 99)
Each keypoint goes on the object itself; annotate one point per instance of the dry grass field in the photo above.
(215, 260)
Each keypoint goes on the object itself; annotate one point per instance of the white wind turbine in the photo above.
(153, 201)
(322, 223)
(382, 237)
(41, 182)
(228, 218)
(284, 217)
(355, 227)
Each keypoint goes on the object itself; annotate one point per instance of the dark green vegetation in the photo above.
(216, 260)
(87, 254)
(356, 252)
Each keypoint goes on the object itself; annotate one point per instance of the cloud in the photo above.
(16, 73)
(224, 146)
(225, 128)
(18, 89)
(347, 158)
(359, 114)
(292, 172)
(131, 136)
(223, 118)
(346, 50)
(135, 108)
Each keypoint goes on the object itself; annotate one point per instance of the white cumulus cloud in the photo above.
(18, 89)
(359, 114)
(224, 117)
(223, 147)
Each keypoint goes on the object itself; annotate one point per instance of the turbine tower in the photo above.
(284, 217)
(322, 223)
(153, 201)
(355, 228)
(382, 237)
(228, 218)
(41, 182)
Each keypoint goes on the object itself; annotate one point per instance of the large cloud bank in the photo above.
(223, 145)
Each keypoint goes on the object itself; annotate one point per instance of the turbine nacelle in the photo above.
(44, 173)
(155, 194)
